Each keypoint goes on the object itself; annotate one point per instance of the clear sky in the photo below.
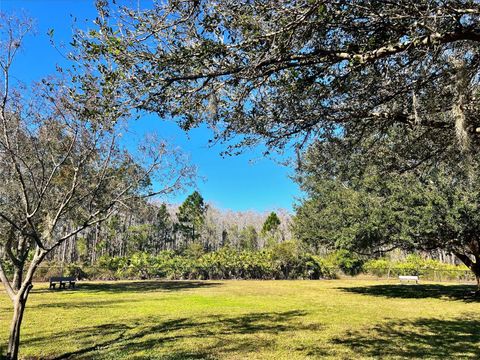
(245, 182)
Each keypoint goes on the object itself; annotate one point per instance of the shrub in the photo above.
(348, 262)
(377, 267)
(281, 261)
(414, 265)
(76, 271)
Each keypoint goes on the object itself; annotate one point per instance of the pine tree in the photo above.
(191, 217)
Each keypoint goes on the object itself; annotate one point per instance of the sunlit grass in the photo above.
(341, 319)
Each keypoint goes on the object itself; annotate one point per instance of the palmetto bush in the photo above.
(282, 261)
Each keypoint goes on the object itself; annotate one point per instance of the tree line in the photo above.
(150, 228)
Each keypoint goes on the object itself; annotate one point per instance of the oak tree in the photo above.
(290, 71)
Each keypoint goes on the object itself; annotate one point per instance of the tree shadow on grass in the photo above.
(420, 291)
(87, 303)
(134, 286)
(227, 335)
(419, 339)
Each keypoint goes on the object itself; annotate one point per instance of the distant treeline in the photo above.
(153, 228)
(197, 241)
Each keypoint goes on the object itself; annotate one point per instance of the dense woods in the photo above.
(153, 227)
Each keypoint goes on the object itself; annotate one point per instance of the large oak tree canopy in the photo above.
(296, 70)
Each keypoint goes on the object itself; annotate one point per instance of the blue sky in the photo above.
(244, 182)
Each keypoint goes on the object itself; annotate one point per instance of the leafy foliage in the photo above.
(271, 223)
(347, 262)
(248, 238)
(415, 265)
(377, 212)
(283, 261)
(270, 229)
(319, 70)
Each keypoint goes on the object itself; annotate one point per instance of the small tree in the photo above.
(191, 216)
(270, 228)
(271, 224)
(64, 169)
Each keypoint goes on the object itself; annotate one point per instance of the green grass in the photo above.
(340, 319)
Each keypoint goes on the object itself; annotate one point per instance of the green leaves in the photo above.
(287, 76)
(284, 261)
(372, 211)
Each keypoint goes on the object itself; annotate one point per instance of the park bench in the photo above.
(408, 278)
(62, 282)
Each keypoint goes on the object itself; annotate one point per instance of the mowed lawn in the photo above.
(338, 319)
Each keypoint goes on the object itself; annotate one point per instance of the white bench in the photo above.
(408, 278)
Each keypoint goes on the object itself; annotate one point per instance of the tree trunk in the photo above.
(18, 309)
(19, 301)
(473, 266)
(17, 278)
(477, 276)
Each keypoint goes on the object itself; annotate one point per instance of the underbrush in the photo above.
(282, 261)
(277, 263)
(427, 269)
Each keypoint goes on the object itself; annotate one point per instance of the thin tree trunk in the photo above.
(18, 310)
(94, 248)
(19, 301)
(64, 254)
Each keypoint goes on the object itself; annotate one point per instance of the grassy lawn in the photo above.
(341, 319)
